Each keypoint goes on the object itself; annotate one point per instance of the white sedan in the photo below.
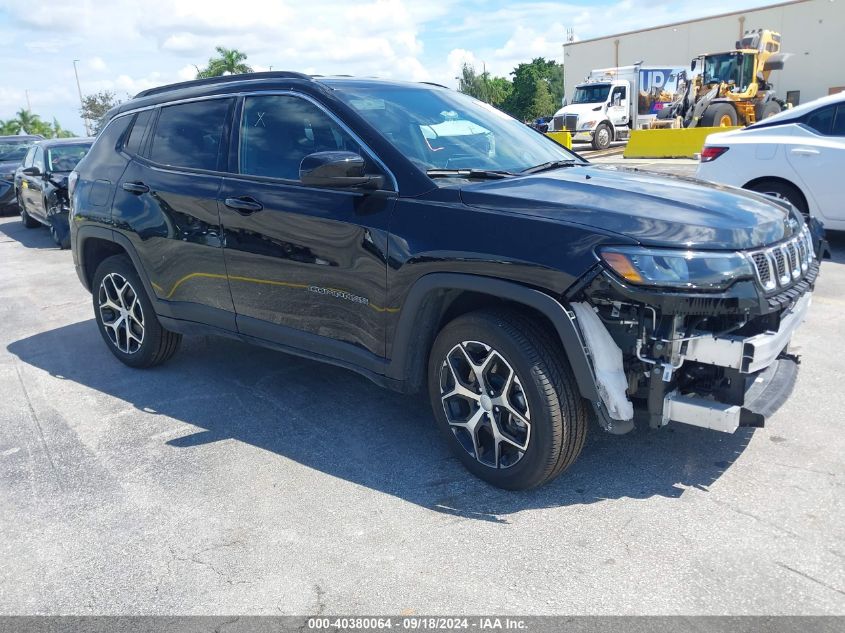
(798, 155)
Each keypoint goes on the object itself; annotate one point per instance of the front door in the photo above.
(32, 187)
(302, 260)
(617, 110)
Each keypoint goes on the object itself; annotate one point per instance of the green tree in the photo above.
(95, 106)
(493, 90)
(228, 61)
(521, 102)
(543, 104)
(59, 132)
(9, 128)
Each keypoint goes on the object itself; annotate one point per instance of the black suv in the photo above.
(430, 242)
(13, 149)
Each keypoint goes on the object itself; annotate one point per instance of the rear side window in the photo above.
(838, 128)
(821, 120)
(190, 134)
(139, 129)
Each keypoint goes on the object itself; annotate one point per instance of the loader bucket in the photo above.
(561, 138)
(669, 143)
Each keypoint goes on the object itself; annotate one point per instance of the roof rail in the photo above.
(275, 74)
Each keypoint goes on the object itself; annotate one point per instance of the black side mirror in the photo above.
(32, 171)
(693, 64)
(337, 169)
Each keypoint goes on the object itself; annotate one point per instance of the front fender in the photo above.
(411, 344)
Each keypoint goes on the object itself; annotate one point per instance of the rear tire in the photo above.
(719, 115)
(783, 191)
(602, 136)
(126, 318)
(523, 422)
(765, 110)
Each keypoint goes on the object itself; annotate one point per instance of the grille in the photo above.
(571, 122)
(779, 266)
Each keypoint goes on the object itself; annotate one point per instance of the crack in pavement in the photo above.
(809, 577)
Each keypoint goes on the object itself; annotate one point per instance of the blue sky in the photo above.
(128, 46)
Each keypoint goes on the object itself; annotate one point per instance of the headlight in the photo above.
(676, 268)
(10, 176)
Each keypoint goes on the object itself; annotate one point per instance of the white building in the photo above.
(812, 30)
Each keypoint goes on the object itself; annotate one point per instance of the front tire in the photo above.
(28, 221)
(126, 318)
(504, 396)
(602, 136)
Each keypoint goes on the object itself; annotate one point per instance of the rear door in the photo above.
(306, 260)
(818, 156)
(166, 201)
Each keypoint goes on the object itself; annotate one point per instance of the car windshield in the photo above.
(65, 157)
(591, 94)
(443, 129)
(14, 150)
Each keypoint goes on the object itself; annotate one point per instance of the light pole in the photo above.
(81, 104)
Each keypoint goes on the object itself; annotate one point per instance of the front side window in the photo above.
(278, 131)
(30, 156)
(618, 96)
(443, 129)
(38, 160)
(66, 157)
(190, 134)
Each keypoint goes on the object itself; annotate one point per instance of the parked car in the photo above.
(430, 242)
(797, 155)
(12, 152)
(41, 185)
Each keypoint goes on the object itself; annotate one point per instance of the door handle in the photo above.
(805, 151)
(244, 205)
(135, 187)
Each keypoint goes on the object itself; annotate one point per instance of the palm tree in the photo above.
(9, 128)
(28, 122)
(229, 61)
(59, 132)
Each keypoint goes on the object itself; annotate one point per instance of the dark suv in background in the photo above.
(13, 149)
(41, 185)
(430, 242)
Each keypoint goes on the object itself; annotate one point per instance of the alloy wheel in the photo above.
(121, 313)
(485, 404)
(604, 137)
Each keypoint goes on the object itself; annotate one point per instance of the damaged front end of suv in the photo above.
(696, 336)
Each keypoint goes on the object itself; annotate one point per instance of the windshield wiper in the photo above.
(552, 164)
(481, 174)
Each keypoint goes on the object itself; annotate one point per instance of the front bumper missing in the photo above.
(751, 354)
(770, 376)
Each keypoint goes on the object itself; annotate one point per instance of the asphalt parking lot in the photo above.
(236, 480)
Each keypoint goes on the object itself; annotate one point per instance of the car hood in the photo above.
(654, 210)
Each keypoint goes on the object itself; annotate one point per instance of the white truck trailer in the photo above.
(613, 101)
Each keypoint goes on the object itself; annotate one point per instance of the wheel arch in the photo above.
(438, 298)
(94, 244)
(784, 181)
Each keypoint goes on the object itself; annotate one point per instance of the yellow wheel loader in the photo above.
(731, 88)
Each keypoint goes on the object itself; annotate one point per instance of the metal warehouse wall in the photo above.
(813, 31)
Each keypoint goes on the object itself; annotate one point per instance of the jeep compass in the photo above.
(432, 243)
